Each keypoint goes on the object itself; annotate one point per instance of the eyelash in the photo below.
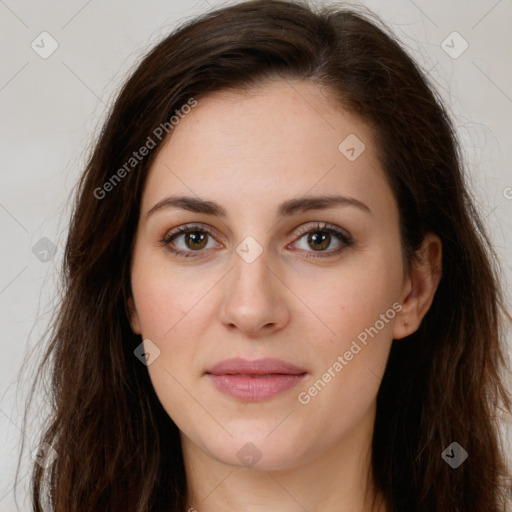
(343, 237)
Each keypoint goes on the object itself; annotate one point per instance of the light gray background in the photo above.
(50, 110)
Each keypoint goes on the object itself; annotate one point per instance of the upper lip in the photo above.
(257, 367)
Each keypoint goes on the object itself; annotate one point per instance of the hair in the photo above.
(117, 447)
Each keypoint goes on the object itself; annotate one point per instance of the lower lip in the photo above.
(254, 388)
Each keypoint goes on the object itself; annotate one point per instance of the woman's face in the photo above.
(267, 271)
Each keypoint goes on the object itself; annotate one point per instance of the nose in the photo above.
(254, 298)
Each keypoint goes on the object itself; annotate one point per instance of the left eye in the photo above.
(195, 238)
(318, 240)
(321, 237)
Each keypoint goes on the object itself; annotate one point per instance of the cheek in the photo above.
(174, 325)
(349, 365)
(171, 319)
(353, 339)
(165, 298)
(352, 301)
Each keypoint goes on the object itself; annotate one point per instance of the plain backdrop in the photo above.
(52, 106)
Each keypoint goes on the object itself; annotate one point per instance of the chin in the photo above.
(261, 452)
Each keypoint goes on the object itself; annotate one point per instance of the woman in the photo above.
(277, 292)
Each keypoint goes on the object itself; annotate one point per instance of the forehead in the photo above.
(283, 139)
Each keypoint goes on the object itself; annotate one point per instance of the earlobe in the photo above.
(420, 287)
(133, 316)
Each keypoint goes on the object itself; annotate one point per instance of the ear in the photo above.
(133, 316)
(420, 286)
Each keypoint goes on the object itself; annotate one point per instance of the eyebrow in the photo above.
(285, 209)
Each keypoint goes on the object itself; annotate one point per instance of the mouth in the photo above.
(266, 366)
(252, 381)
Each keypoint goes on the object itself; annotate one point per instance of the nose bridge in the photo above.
(251, 277)
(251, 273)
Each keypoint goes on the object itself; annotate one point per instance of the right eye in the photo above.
(192, 239)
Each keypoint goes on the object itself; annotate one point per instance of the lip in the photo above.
(266, 366)
(252, 381)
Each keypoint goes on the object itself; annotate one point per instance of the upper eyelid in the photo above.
(320, 226)
(183, 229)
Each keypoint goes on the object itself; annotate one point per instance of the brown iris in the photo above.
(197, 239)
(319, 237)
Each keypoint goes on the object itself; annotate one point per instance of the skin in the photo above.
(248, 153)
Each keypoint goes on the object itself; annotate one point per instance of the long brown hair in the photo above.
(117, 448)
